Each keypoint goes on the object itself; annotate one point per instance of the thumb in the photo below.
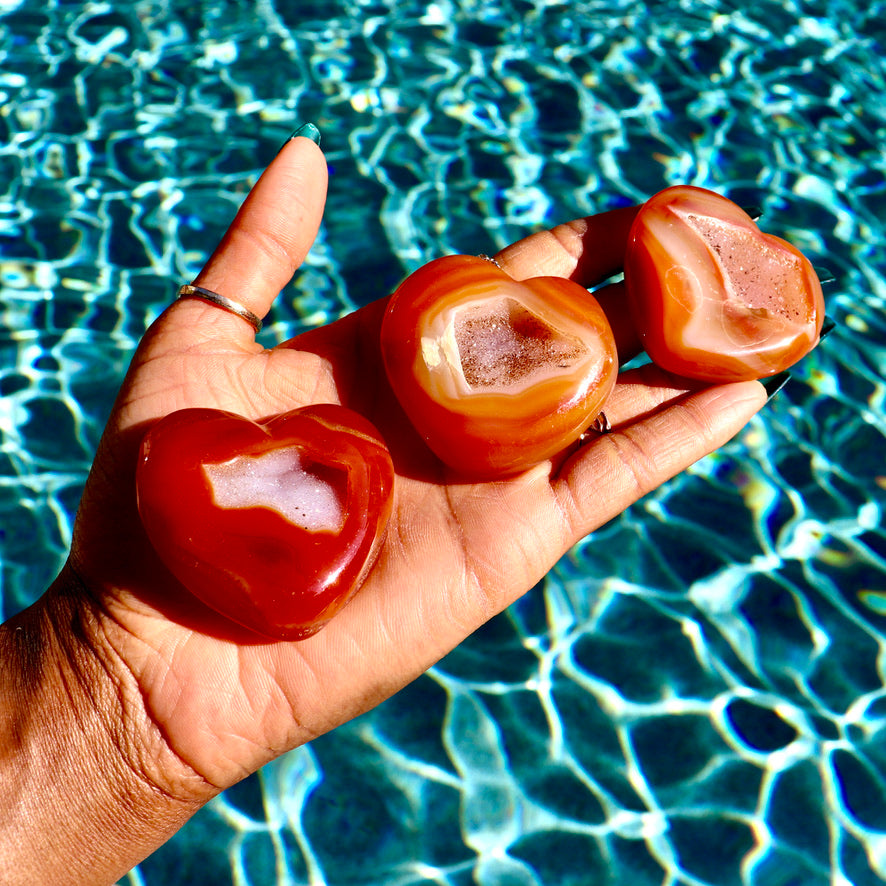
(267, 241)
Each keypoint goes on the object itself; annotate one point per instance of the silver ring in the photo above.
(599, 426)
(191, 291)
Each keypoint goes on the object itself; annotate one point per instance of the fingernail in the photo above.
(827, 327)
(775, 383)
(306, 130)
(825, 275)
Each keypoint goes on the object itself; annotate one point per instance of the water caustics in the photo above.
(706, 670)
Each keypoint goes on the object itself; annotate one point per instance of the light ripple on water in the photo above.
(695, 694)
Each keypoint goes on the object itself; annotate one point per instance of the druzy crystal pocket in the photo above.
(496, 374)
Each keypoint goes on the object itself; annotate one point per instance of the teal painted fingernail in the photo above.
(307, 130)
(827, 327)
(775, 383)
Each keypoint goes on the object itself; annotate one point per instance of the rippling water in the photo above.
(695, 695)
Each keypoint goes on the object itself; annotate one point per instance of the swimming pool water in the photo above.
(695, 694)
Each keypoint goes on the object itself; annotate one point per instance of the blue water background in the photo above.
(695, 695)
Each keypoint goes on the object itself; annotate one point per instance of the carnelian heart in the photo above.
(497, 375)
(711, 295)
(273, 524)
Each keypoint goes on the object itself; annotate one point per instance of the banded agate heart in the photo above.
(712, 296)
(273, 524)
(496, 374)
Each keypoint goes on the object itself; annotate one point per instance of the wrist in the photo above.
(88, 786)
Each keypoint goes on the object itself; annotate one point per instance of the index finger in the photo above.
(586, 250)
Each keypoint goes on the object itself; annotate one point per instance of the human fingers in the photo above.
(661, 424)
(268, 239)
(642, 391)
(613, 299)
(650, 444)
(586, 250)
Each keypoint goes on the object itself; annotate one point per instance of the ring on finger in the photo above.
(221, 301)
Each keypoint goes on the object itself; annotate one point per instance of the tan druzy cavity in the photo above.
(501, 344)
(758, 276)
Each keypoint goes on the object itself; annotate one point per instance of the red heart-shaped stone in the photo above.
(496, 374)
(273, 524)
(712, 296)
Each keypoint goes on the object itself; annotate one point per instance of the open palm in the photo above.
(205, 703)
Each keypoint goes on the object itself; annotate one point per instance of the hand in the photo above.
(170, 703)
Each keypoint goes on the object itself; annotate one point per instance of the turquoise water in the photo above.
(695, 695)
